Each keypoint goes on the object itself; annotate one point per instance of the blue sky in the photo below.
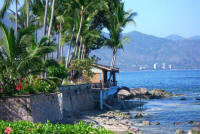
(164, 17)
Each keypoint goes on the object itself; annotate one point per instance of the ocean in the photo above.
(169, 110)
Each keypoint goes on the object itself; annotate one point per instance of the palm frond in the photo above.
(5, 6)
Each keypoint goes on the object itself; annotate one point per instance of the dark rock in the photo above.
(183, 98)
(139, 115)
(157, 123)
(191, 122)
(198, 98)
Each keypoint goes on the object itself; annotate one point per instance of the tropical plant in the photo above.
(21, 58)
(49, 128)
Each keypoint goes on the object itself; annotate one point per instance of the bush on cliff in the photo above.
(24, 127)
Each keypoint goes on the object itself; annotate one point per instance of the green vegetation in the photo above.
(24, 127)
(27, 55)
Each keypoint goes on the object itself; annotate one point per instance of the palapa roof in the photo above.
(107, 68)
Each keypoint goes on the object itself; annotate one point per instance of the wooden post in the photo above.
(101, 96)
(105, 78)
(114, 79)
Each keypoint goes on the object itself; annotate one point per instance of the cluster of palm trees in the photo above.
(76, 23)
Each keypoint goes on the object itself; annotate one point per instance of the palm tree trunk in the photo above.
(61, 52)
(82, 52)
(79, 32)
(16, 17)
(70, 44)
(52, 15)
(114, 57)
(27, 8)
(60, 47)
(80, 47)
(45, 17)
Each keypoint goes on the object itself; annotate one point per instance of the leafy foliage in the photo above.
(21, 58)
(82, 68)
(48, 128)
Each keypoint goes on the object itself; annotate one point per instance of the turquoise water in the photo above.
(167, 111)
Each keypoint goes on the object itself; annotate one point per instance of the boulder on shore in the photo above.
(159, 93)
(142, 93)
(123, 94)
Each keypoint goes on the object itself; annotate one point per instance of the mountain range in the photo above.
(147, 52)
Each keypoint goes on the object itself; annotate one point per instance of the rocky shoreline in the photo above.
(116, 121)
(125, 93)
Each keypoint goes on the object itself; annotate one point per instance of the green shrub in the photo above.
(40, 86)
(25, 127)
(57, 71)
(26, 87)
(83, 68)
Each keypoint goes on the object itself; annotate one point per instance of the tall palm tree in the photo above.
(117, 20)
(88, 9)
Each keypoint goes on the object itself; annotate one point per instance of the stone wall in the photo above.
(34, 108)
(40, 108)
(77, 98)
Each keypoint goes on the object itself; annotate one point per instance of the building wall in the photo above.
(96, 78)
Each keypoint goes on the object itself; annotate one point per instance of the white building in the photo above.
(170, 66)
(163, 66)
(155, 66)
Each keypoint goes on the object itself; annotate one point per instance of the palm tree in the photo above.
(88, 9)
(5, 7)
(117, 20)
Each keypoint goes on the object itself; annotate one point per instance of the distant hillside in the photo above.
(195, 38)
(144, 51)
(174, 37)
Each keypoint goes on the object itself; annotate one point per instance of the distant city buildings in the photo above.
(156, 66)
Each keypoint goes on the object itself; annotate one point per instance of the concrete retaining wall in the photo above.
(40, 108)
(34, 108)
(77, 98)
